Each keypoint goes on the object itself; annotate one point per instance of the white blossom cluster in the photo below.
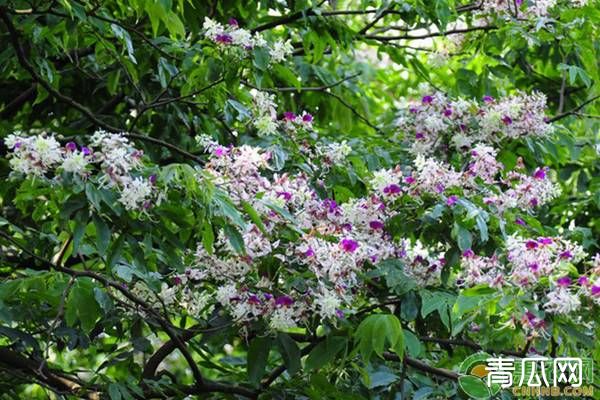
(529, 9)
(232, 36)
(436, 122)
(265, 118)
(110, 153)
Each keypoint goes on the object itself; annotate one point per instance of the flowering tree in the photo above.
(294, 199)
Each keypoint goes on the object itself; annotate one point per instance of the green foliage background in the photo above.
(144, 67)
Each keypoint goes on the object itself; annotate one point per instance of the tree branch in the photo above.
(574, 110)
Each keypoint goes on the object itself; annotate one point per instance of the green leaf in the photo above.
(474, 387)
(258, 355)
(235, 238)
(102, 235)
(377, 330)
(325, 352)
(253, 214)
(290, 352)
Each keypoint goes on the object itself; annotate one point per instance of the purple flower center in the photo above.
(289, 116)
(152, 179)
(253, 299)
(452, 200)
(86, 151)
(220, 151)
(392, 189)
(565, 281)
(534, 267)
(531, 244)
(427, 99)
(447, 112)
(566, 255)
(468, 253)
(488, 99)
(419, 135)
(286, 195)
(223, 38)
(519, 221)
(540, 174)
(595, 290)
(233, 22)
(307, 118)
(545, 240)
(583, 281)
(284, 301)
(507, 120)
(376, 225)
(71, 146)
(409, 180)
(349, 245)
(309, 253)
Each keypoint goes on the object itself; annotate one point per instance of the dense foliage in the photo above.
(294, 199)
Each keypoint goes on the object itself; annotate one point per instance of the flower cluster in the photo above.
(540, 262)
(265, 118)
(232, 36)
(523, 9)
(111, 153)
(436, 122)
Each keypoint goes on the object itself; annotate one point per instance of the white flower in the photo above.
(75, 162)
(282, 318)
(280, 50)
(561, 301)
(135, 193)
(327, 303)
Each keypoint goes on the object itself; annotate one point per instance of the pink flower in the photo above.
(583, 281)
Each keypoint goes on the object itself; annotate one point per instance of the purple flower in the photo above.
(488, 99)
(531, 244)
(339, 313)
(595, 290)
(565, 281)
(518, 2)
(233, 22)
(566, 255)
(307, 118)
(519, 221)
(413, 110)
(349, 245)
(289, 116)
(462, 127)
(152, 179)
(253, 299)
(223, 38)
(409, 180)
(468, 253)
(177, 280)
(309, 253)
(534, 267)
(419, 135)
(447, 112)
(286, 195)
(452, 200)
(540, 173)
(507, 120)
(71, 146)
(220, 151)
(86, 151)
(583, 280)
(534, 202)
(546, 120)
(284, 301)
(331, 206)
(267, 296)
(376, 225)
(392, 189)
(545, 240)
(427, 99)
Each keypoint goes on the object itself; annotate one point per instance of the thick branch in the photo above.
(421, 366)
